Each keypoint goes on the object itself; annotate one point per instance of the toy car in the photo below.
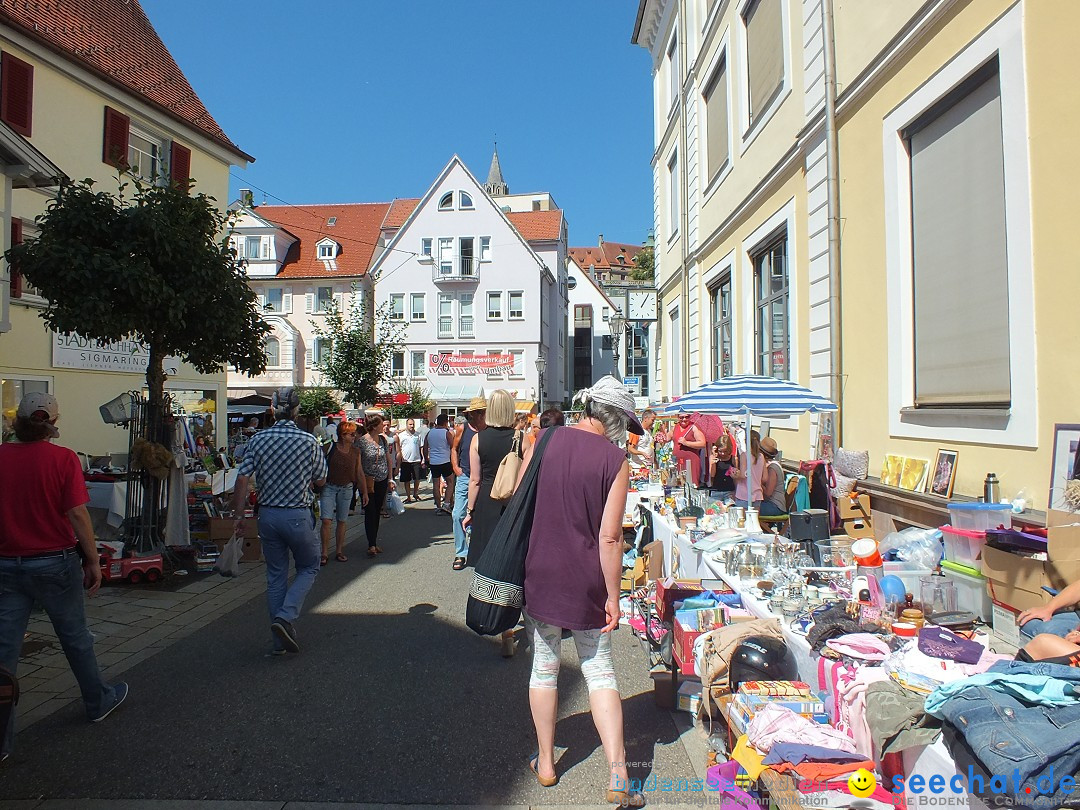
(132, 569)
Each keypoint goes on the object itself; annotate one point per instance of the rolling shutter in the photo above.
(764, 54)
(16, 93)
(179, 163)
(16, 276)
(115, 140)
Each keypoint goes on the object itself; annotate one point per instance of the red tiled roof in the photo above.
(606, 257)
(537, 226)
(356, 230)
(400, 210)
(114, 39)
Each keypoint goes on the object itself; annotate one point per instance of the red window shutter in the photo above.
(16, 93)
(115, 150)
(179, 163)
(16, 276)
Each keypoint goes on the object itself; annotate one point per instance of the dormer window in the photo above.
(327, 249)
(446, 202)
(466, 201)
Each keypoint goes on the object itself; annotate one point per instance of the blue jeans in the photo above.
(282, 531)
(461, 506)
(334, 502)
(1057, 625)
(56, 583)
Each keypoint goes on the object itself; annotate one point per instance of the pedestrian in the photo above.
(486, 452)
(641, 447)
(475, 415)
(390, 434)
(437, 453)
(331, 430)
(745, 460)
(551, 417)
(409, 459)
(48, 554)
(342, 480)
(721, 463)
(375, 466)
(688, 440)
(287, 462)
(773, 484)
(572, 573)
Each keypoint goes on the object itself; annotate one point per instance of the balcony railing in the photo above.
(465, 326)
(461, 269)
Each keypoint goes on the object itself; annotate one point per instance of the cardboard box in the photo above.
(1005, 626)
(1017, 582)
(654, 560)
(670, 591)
(682, 647)
(634, 577)
(688, 698)
(665, 687)
(855, 516)
(252, 550)
(222, 528)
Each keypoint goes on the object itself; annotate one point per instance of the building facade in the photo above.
(89, 85)
(589, 327)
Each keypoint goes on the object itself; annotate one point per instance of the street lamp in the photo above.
(617, 326)
(541, 364)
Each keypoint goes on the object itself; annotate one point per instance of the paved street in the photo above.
(391, 701)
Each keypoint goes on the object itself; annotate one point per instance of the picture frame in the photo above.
(823, 445)
(914, 474)
(891, 470)
(942, 475)
(1064, 464)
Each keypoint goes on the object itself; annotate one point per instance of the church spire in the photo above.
(495, 185)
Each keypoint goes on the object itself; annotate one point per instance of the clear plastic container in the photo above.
(980, 516)
(835, 551)
(908, 574)
(971, 591)
(964, 546)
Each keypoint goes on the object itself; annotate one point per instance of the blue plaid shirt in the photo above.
(286, 461)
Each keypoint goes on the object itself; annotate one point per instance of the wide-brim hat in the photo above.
(768, 446)
(476, 404)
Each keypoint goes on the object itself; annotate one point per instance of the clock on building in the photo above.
(642, 305)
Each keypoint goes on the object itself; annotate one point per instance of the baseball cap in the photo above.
(40, 407)
(286, 399)
(477, 404)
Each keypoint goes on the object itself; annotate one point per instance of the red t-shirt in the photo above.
(39, 483)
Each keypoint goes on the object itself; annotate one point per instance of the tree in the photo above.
(318, 401)
(156, 267)
(419, 403)
(644, 263)
(359, 349)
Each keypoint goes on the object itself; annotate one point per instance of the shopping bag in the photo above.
(228, 561)
(394, 504)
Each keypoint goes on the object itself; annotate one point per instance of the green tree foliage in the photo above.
(154, 265)
(358, 359)
(419, 401)
(318, 401)
(644, 263)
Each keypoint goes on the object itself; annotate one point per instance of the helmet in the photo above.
(761, 658)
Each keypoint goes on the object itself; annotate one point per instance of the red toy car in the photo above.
(132, 569)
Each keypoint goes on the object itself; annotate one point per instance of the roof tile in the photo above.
(356, 230)
(537, 226)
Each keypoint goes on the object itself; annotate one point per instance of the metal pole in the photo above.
(832, 169)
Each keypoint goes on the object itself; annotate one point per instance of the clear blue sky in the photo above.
(366, 100)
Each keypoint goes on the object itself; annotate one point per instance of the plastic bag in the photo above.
(394, 504)
(920, 546)
(228, 561)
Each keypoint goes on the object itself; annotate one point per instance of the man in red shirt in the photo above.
(47, 552)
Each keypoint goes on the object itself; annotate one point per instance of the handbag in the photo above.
(507, 474)
(498, 589)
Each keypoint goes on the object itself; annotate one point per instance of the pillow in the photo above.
(852, 463)
(844, 485)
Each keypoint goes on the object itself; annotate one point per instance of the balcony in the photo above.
(464, 269)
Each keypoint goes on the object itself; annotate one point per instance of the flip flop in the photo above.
(322, 560)
(459, 563)
(341, 558)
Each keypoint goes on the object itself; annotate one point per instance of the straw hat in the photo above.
(476, 404)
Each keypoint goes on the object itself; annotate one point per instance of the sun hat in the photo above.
(40, 407)
(609, 391)
(768, 446)
(476, 404)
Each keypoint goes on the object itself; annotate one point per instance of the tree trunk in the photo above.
(155, 385)
(150, 532)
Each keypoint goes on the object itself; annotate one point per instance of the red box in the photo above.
(667, 596)
(682, 648)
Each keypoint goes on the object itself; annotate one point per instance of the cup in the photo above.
(866, 553)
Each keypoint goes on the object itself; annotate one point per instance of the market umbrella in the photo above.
(747, 395)
(709, 424)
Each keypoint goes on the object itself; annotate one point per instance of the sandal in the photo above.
(371, 552)
(626, 798)
(378, 550)
(459, 563)
(545, 781)
(322, 560)
(341, 557)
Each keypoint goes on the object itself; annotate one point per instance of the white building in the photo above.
(479, 276)
(590, 335)
(299, 259)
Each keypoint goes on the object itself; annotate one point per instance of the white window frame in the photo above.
(466, 329)
(279, 310)
(483, 252)
(462, 204)
(263, 251)
(674, 194)
(723, 54)
(448, 332)
(494, 374)
(519, 357)
(320, 309)
(750, 131)
(327, 250)
(318, 347)
(425, 246)
(1018, 427)
(446, 201)
(509, 311)
(414, 314)
(417, 372)
(139, 131)
(396, 372)
(605, 314)
(278, 341)
(672, 70)
(394, 300)
(445, 258)
(498, 314)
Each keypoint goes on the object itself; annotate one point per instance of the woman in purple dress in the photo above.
(572, 573)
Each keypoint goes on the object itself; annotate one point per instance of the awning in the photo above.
(454, 391)
(524, 406)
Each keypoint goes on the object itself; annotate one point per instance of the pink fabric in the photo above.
(866, 646)
(773, 724)
(851, 707)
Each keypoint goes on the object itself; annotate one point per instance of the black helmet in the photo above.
(761, 658)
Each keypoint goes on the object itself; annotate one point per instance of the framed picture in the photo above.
(823, 447)
(943, 475)
(1066, 443)
(913, 475)
(891, 470)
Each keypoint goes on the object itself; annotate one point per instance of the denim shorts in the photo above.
(334, 502)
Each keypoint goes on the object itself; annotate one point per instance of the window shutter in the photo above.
(309, 357)
(262, 302)
(179, 163)
(309, 302)
(286, 301)
(16, 93)
(117, 128)
(339, 298)
(764, 54)
(16, 276)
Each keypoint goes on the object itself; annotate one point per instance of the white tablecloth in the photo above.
(111, 496)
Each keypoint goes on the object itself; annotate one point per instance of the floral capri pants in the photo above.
(593, 648)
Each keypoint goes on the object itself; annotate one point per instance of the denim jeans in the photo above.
(1059, 624)
(56, 583)
(461, 506)
(334, 502)
(285, 531)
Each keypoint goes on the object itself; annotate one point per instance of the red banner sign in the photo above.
(448, 363)
(402, 399)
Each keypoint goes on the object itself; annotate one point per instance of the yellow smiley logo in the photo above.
(861, 783)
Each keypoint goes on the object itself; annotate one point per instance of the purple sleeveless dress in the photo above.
(564, 585)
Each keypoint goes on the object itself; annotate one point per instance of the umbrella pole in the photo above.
(752, 525)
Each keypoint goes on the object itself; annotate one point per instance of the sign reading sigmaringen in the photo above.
(76, 351)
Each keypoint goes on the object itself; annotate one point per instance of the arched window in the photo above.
(273, 351)
(446, 202)
(466, 200)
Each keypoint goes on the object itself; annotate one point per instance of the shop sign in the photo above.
(132, 356)
(444, 363)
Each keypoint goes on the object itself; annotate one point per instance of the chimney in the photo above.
(601, 240)
(247, 198)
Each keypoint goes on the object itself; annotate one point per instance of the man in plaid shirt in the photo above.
(286, 462)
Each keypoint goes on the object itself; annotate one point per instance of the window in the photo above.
(446, 256)
(485, 248)
(494, 372)
(494, 306)
(324, 299)
(673, 194)
(397, 306)
(605, 314)
(425, 246)
(273, 352)
(446, 202)
(323, 349)
(721, 327)
(716, 121)
(466, 201)
(606, 343)
(256, 248)
(673, 72)
(764, 54)
(397, 364)
(465, 252)
(515, 305)
(582, 316)
(465, 315)
(771, 297)
(144, 154)
(418, 306)
(418, 368)
(327, 250)
(519, 363)
(275, 300)
(446, 315)
(959, 252)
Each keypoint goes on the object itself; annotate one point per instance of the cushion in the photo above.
(844, 485)
(852, 463)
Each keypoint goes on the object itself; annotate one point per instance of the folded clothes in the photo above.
(863, 646)
(796, 753)
(938, 642)
(774, 724)
(1038, 683)
(823, 771)
(897, 720)
(747, 756)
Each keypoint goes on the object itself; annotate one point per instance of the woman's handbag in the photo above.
(506, 475)
(498, 589)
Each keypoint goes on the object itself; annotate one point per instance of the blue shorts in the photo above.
(334, 502)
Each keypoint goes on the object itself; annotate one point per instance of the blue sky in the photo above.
(366, 100)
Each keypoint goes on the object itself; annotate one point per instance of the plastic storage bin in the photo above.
(964, 546)
(908, 574)
(971, 591)
(980, 516)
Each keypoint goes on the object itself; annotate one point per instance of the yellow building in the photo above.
(89, 85)
(947, 288)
